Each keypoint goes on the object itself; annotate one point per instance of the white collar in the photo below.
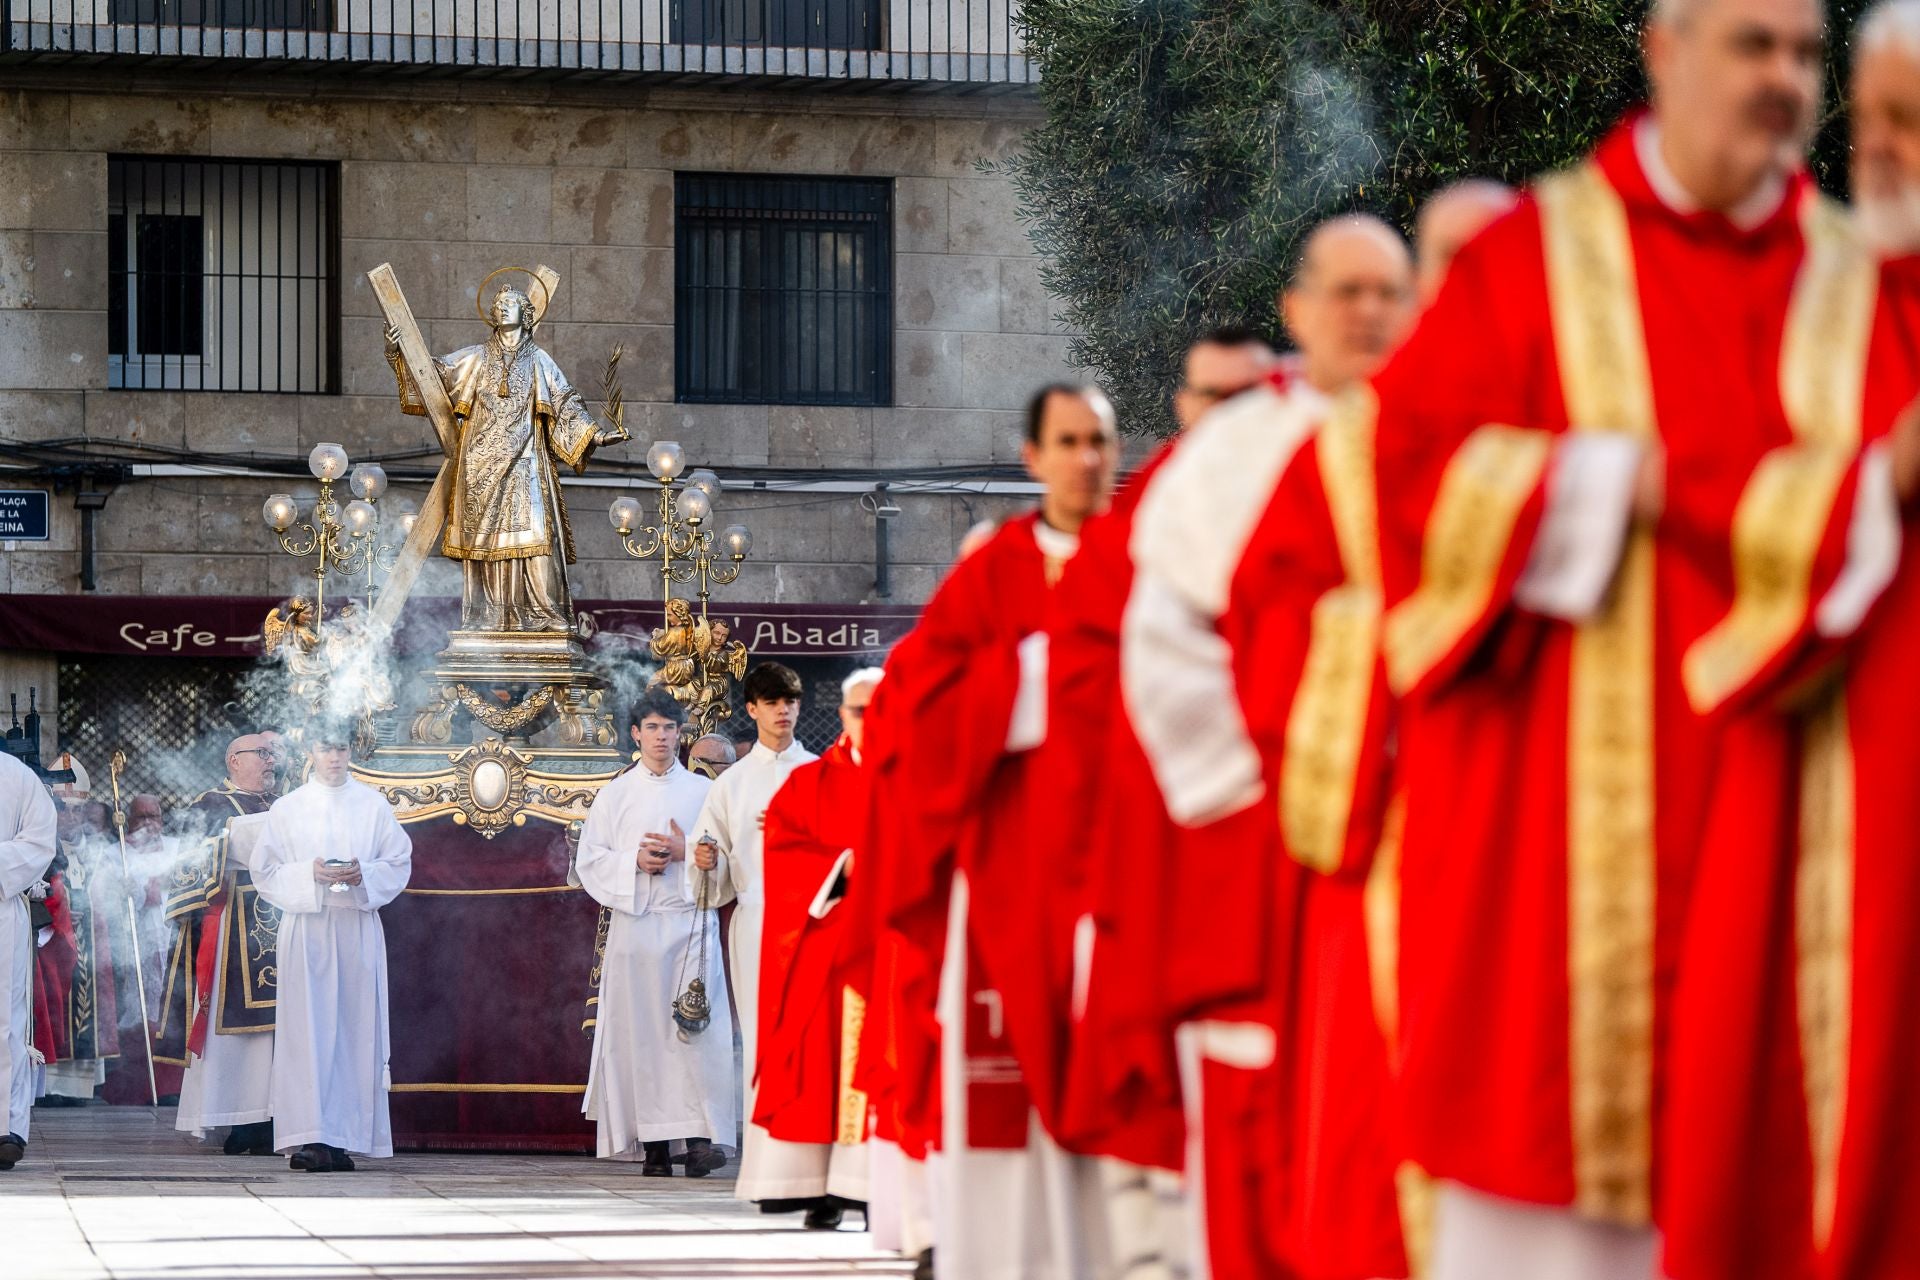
(765, 752)
(673, 767)
(1746, 215)
(1055, 544)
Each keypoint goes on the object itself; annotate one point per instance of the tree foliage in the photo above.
(1189, 145)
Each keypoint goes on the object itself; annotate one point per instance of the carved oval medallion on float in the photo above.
(490, 785)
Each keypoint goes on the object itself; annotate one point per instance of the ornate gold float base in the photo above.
(517, 683)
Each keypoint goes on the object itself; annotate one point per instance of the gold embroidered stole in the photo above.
(1823, 384)
(1610, 763)
(1594, 299)
(1326, 726)
(851, 1106)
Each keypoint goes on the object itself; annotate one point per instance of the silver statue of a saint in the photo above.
(518, 420)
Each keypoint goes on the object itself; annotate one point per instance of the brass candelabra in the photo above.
(679, 540)
(341, 540)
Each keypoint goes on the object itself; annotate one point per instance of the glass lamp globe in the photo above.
(665, 459)
(737, 540)
(279, 511)
(408, 514)
(369, 481)
(693, 505)
(327, 462)
(360, 517)
(707, 482)
(623, 514)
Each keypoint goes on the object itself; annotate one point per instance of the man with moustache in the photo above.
(1634, 416)
(220, 983)
(1793, 1131)
(1248, 669)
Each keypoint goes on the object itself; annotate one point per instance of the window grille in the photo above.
(792, 24)
(783, 290)
(173, 718)
(223, 275)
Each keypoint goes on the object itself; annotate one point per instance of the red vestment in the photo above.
(898, 970)
(1250, 658)
(1555, 776)
(1795, 1130)
(816, 818)
(951, 797)
(1102, 825)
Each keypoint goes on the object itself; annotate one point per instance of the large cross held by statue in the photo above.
(433, 395)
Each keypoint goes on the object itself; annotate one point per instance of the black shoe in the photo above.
(657, 1163)
(342, 1162)
(923, 1269)
(824, 1215)
(262, 1139)
(785, 1206)
(315, 1157)
(703, 1158)
(13, 1149)
(239, 1140)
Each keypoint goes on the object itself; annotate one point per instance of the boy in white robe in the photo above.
(27, 844)
(650, 1082)
(332, 855)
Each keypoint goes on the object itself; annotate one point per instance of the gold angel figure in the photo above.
(678, 646)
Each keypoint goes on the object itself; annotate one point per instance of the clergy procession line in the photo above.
(1443, 816)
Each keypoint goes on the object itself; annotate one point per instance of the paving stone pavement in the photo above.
(114, 1193)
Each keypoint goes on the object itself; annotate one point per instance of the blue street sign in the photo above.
(23, 515)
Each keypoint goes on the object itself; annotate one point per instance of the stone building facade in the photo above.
(448, 176)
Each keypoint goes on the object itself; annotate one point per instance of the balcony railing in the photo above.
(965, 45)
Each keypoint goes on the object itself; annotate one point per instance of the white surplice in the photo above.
(331, 1040)
(647, 1083)
(232, 1081)
(733, 815)
(27, 844)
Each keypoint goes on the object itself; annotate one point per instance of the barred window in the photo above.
(223, 275)
(783, 290)
(794, 24)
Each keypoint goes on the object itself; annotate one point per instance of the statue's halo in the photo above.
(539, 308)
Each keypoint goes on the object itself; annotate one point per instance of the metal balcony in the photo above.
(961, 46)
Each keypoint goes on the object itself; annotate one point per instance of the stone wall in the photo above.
(447, 188)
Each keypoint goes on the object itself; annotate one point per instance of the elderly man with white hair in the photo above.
(809, 1016)
(1610, 403)
(1792, 1126)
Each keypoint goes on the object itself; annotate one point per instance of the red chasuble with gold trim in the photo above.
(1555, 776)
(809, 1017)
(1253, 669)
(950, 796)
(1794, 1134)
